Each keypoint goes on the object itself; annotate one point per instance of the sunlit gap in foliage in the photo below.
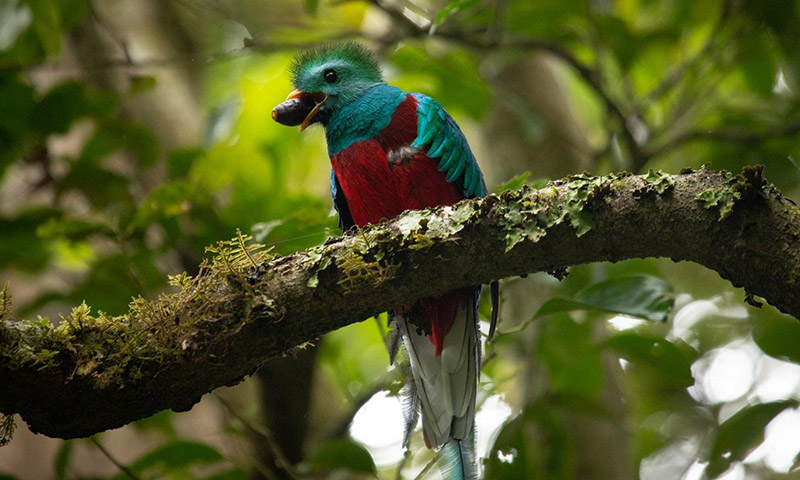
(378, 426)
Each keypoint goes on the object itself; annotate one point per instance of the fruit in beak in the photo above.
(300, 108)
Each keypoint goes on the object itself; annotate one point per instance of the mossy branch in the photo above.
(94, 372)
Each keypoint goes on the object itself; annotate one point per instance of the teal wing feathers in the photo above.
(444, 140)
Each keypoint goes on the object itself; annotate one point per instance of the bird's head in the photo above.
(326, 79)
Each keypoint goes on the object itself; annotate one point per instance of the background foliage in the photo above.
(135, 133)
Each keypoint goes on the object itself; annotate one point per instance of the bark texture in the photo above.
(255, 308)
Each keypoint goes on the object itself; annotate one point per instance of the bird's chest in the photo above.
(382, 175)
(378, 184)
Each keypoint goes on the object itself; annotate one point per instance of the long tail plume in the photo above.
(457, 459)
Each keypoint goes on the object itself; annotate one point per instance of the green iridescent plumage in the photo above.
(355, 67)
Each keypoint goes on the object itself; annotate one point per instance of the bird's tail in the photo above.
(445, 364)
(457, 459)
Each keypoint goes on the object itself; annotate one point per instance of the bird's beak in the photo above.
(299, 108)
(295, 94)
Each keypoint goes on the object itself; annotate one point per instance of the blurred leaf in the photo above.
(72, 11)
(161, 422)
(576, 403)
(179, 162)
(638, 296)
(513, 184)
(672, 363)
(47, 24)
(741, 433)
(232, 474)
(67, 102)
(114, 135)
(532, 445)
(7, 476)
(61, 462)
(222, 121)
(71, 228)
(14, 19)
(167, 200)
(452, 7)
(615, 32)
(261, 230)
(758, 65)
(20, 246)
(16, 103)
(779, 336)
(101, 186)
(451, 78)
(342, 454)
(114, 280)
(546, 18)
(142, 83)
(312, 6)
(572, 361)
(174, 457)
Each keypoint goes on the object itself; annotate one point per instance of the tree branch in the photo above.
(95, 372)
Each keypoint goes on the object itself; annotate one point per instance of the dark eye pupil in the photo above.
(330, 76)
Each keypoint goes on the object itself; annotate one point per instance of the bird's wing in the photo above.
(444, 140)
(340, 204)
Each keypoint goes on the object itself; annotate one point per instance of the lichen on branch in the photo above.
(247, 306)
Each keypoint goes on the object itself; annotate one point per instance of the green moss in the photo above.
(748, 184)
(658, 182)
(113, 349)
(526, 217)
(364, 263)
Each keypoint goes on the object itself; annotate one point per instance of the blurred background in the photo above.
(133, 133)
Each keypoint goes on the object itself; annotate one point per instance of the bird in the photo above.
(392, 151)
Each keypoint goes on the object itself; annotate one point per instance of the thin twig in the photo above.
(113, 460)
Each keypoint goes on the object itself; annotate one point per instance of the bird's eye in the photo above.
(330, 75)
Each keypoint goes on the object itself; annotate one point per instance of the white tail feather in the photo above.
(446, 384)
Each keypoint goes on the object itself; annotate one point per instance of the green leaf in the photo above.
(312, 6)
(513, 184)
(68, 102)
(161, 422)
(20, 246)
(61, 463)
(452, 7)
(14, 20)
(47, 24)
(640, 296)
(114, 135)
(72, 11)
(673, 363)
(101, 186)
(174, 457)
(180, 161)
(779, 337)
(342, 454)
(167, 200)
(71, 228)
(142, 83)
(741, 433)
(16, 103)
(232, 474)
(759, 64)
(533, 445)
(572, 361)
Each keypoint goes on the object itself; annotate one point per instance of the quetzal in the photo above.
(392, 151)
